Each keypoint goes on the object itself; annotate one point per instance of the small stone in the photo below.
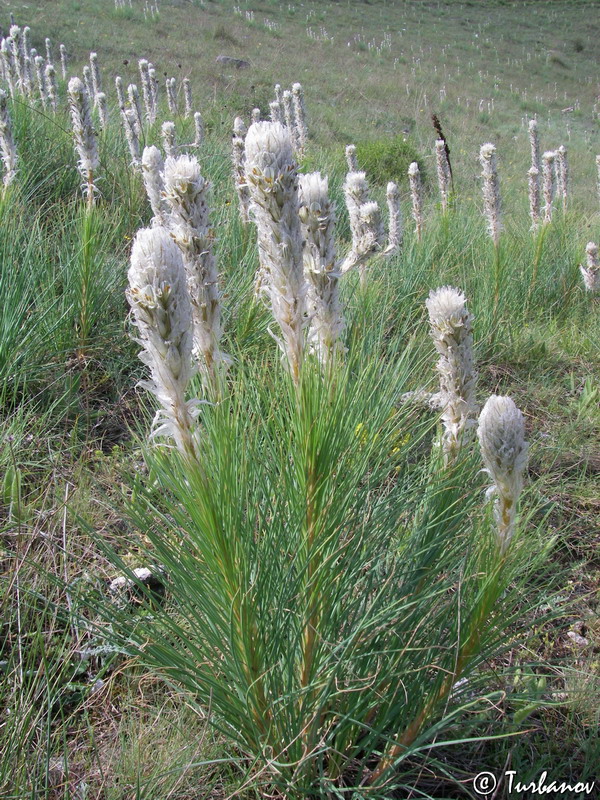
(238, 63)
(148, 577)
(577, 639)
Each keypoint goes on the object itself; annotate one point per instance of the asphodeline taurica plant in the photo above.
(186, 195)
(366, 225)
(84, 136)
(162, 311)
(317, 216)
(451, 331)
(491, 191)
(416, 197)
(590, 272)
(272, 180)
(7, 142)
(501, 435)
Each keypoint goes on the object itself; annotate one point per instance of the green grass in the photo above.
(80, 717)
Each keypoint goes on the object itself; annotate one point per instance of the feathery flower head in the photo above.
(548, 160)
(28, 83)
(365, 223)
(290, 118)
(503, 447)
(63, 61)
(147, 91)
(356, 182)
(130, 123)
(356, 185)
(87, 80)
(187, 97)
(18, 56)
(351, 159)
(238, 158)
(275, 111)
(269, 150)
(394, 219)
(134, 104)
(416, 196)
(591, 272)
(562, 174)
(198, 129)
(313, 188)
(51, 85)
(152, 169)
(83, 133)
(186, 193)
(120, 92)
(443, 172)
(370, 214)
(8, 64)
(451, 331)
(591, 249)
(41, 79)
(157, 268)
(534, 143)
(95, 70)
(446, 307)
(16, 37)
(491, 190)
(102, 109)
(7, 142)
(533, 175)
(153, 86)
(160, 303)
(300, 116)
(168, 137)
(317, 216)
(272, 180)
(161, 307)
(239, 127)
(170, 85)
(184, 187)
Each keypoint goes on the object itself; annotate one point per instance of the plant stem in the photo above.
(536, 261)
(87, 258)
(309, 635)
(497, 281)
(90, 190)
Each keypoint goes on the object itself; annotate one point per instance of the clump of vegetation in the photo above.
(389, 159)
(297, 580)
(222, 34)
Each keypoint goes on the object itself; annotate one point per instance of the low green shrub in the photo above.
(388, 159)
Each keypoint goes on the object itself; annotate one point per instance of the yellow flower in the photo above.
(361, 433)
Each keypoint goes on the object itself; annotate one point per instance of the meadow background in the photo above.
(80, 720)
